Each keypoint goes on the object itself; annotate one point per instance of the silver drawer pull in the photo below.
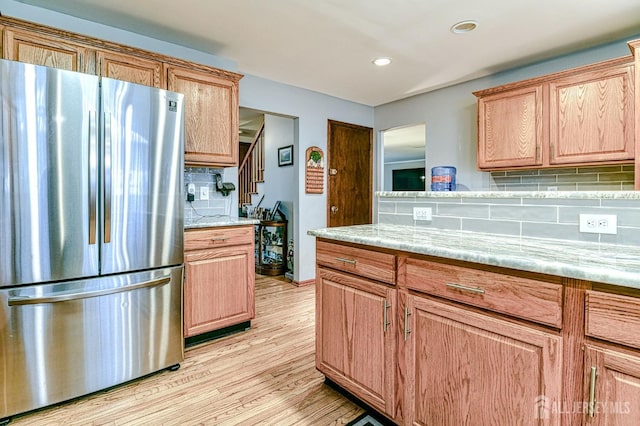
(218, 239)
(477, 290)
(349, 261)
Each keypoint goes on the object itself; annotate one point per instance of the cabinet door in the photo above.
(211, 116)
(591, 117)
(219, 288)
(467, 368)
(355, 339)
(510, 129)
(38, 49)
(612, 388)
(130, 68)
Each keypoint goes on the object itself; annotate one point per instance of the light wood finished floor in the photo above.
(262, 376)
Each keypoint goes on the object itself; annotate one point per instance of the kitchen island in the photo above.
(441, 326)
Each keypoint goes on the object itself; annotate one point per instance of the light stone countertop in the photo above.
(599, 262)
(216, 221)
(628, 195)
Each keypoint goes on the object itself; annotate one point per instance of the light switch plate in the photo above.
(204, 192)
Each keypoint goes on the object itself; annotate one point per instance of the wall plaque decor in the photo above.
(314, 170)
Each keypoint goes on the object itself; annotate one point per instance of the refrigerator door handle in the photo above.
(22, 300)
(107, 177)
(93, 176)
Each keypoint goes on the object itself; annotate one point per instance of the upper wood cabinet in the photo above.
(211, 116)
(514, 116)
(39, 49)
(211, 94)
(575, 117)
(130, 68)
(591, 116)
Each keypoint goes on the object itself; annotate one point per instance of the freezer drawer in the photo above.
(63, 340)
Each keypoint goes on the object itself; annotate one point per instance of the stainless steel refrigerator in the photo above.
(91, 234)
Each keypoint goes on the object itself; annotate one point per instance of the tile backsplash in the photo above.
(601, 178)
(531, 214)
(216, 205)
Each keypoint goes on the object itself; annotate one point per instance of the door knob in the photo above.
(333, 172)
(334, 209)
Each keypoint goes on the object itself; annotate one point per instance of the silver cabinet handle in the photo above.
(385, 316)
(15, 301)
(476, 290)
(349, 261)
(215, 239)
(406, 323)
(592, 391)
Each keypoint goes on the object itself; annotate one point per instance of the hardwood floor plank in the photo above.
(263, 376)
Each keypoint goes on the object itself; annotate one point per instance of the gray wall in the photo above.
(278, 132)
(450, 114)
(312, 110)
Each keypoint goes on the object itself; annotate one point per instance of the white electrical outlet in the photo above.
(422, 213)
(191, 189)
(204, 192)
(599, 223)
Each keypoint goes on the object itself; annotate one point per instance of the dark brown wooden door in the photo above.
(350, 170)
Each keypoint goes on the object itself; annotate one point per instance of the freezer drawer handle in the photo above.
(15, 301)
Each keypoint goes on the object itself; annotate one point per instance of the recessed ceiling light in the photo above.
(464, 27)
(381, 62)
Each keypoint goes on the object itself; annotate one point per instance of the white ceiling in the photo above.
(327, 45)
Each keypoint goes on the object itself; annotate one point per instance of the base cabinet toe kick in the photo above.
(434, 341)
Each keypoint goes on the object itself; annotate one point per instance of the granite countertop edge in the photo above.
(597, 262)
(620, 195)
(218, 221)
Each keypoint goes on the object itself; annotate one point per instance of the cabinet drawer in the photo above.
(526, 298)
(217, 237)
(613, 317)
(366, 263)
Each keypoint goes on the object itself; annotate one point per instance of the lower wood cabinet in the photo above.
(433, 341)
(219, 286)
(612, 387)
(465, 367)
(355, 336)
(611, 370)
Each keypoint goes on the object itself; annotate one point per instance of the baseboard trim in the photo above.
(304, 283)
